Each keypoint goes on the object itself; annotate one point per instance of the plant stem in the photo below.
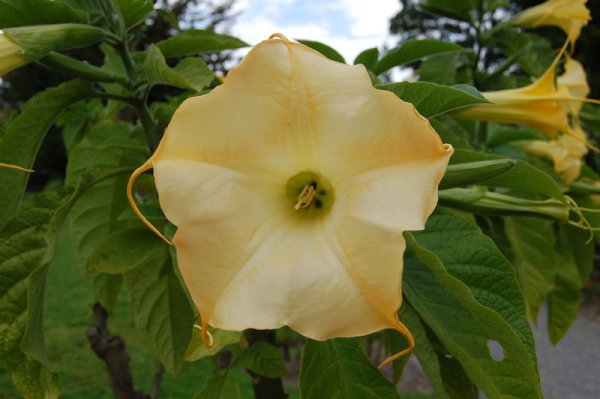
(265, 388)
(148, 123)
(111, 349)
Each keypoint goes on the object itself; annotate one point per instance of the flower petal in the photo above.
(398, 197)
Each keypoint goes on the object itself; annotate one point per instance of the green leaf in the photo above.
(196, 41)
(109, 145)
(461, 10)
(220, 387)
(411, 51)
(35, 381)
(22, 138)
(106, 288)
(324, 49)
(576, 258)
(134, 12)
(37, 12)
(197, 350)
(532, 241)
(39, 40)
(443, 371)
(125, 250)
(368, 58)
(27, 245)
(523, 177)
(191, 73)
(432, 100)
(340, 369)
(444, 68)
(263, 359)
(467, 293)
(534, 53)
(162, 312)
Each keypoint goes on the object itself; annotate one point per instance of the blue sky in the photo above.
(349, 26)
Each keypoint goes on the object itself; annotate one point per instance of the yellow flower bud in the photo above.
(11, 55)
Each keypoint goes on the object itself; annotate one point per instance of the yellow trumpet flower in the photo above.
(290, 186)
(566, 152)
(575, 81)
(11, 55)
(540, 104)
(569, 15)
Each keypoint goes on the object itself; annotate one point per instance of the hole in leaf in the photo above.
(496, 350)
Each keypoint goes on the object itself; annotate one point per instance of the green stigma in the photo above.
(309, 194)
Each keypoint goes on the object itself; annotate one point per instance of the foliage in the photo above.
(507, 236)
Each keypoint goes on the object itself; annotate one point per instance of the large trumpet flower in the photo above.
(290, 186)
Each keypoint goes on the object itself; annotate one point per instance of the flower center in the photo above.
(309, 193)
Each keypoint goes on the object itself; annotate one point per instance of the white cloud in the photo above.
(369, 18)
(369, 21)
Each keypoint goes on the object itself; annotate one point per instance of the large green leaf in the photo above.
(522, 177)
(462, 10)
(576, 258)
(445, 68)
(467, 293)
(432, 99)
(22, 138)
(113, 255)
(340, 369)
(108, 145)
(33, 380)
(220, 386)
(263, 359)
(533, 52)
(532, 241)
(27, 245)
(134, 12)
(368, 58)
(37, 12)
(443, 371)
(163, 314)
(191, 73)
(413, 50)
(196, 41)
(324, 49)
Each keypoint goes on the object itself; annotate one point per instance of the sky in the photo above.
(349, 26)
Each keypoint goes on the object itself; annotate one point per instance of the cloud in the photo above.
(364, 22)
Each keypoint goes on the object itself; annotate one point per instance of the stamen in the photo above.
(401, 328)
(10, 166)
(306, 196)
(207, 338)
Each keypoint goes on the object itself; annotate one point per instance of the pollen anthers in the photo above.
(309, 193)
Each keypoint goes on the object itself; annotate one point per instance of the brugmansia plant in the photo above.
(300, 209)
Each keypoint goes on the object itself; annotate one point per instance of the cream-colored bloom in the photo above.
(569, 15)
(11, 55)
(290, 186)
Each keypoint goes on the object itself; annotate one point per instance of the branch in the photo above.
(111, 349)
